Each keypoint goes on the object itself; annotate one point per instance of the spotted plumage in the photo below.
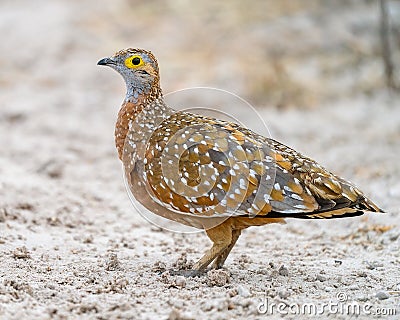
(213, 174)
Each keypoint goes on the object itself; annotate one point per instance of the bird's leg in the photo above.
(221, 236)
(220, 260)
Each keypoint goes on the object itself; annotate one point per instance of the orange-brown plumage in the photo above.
(214, 174)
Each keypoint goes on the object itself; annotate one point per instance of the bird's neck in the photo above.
(135, 101)
(136, 91)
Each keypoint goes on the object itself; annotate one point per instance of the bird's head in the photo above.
(138, 67)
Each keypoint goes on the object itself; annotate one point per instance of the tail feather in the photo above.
(357, 208)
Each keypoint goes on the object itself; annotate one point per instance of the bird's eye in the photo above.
(134, 62)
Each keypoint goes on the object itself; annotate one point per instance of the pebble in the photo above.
(362, 298)
(52, 169)
(252, 267)
(243, 259)
(243, 291)
(180, 281)
(245, 303)
(353, 287)
(159, 266)
(217, 278)
(177, 315)
(362, 274)
(338, 262)
(112, 262)
(21, 253)
(177, 304)
(329, 289)
(283, 271)
(393, 235)
(181, 263)
(216, 304)
(284, 294)
(174, 315)
(374, 264)
(382, 295)
(232, 292)
(345, 281)
(320, 277)
(262, 271)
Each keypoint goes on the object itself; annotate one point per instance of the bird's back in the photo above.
(200, 166)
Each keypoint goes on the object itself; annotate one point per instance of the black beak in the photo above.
(105, 62)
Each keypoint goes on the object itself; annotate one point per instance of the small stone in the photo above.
(245, 303)
(177, 315)
(88, 239)
(221, 304)
(262, 271)
(362, 274)
(52, 169)
(320, 277)
(176, 303)
(165, 277)
(353, 287)
(3, 214)
(216, 304)
(232, 293)
(159, 266)
(345, 281)
(362, 298)
(115, 285)
(374, 264)
(207, 306)
(382, 295)
(329, 289)
(252, 267)
(180, 281)
(284, 294)
(21, 253)
(338, 262)
(283, 271)
(182, 263)
(393, 236)
(112, 263)
(243, 291)
(217, 278)
(243, 260)
(25, 206)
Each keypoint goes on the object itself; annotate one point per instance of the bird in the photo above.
(214, 174)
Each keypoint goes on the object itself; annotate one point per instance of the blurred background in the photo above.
(289, 53)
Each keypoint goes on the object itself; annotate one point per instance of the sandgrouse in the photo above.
(213, 174)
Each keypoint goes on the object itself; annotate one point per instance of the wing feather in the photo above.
(208, 167)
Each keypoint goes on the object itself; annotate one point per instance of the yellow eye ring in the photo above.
(134, 62)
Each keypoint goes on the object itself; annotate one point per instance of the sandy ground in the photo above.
(73, 246)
